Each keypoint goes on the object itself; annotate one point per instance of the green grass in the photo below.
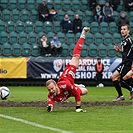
(103, 119)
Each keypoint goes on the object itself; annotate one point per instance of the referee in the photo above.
(126, 50)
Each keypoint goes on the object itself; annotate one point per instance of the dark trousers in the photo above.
(99, 78)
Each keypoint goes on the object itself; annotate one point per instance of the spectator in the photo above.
(92, 4)
(45, 46)
(53, 14)
(128, 4)
(99, 72)
(114, 4)
(43, 11)
(98, 14)
(66, 24)
(123, 19)
(56, 46)
(108, 12)
(77, 24)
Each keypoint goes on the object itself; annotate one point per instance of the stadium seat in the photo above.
(94, 27)
(12, 4)
(31, 5)
(76, 4)
(38, 26)
(1, 49)
(22, 4)
(131, 27)
(26, 50)
(102, 2)
(6, 15)
(116, 15)
(88, 16)
(33, 15)
(38, 2)
(71, 48)
(13, 37)
(16, 50)
(10, 26)
(58, 4)
(116, 38)
(48, 26)
(84, 5)
(32, 38)
(120, 8)
(7, 50)
(66, 5)
(3, 37)
(102, 50)
(84, 51)
(35, 50)
(107, 38)
(61, 37)
(65, 50)
(2, 26)
(39, 36)
(98, 38)
(57, 27)
(29, 26)
(60, 15)
(50, 36)
(4, 4)
(50, 4)
(111, 52)
(93, 52)
(71, 14)
(131, 16)
(24, 15)
(89, 39)
(20, 26)
(15, 15)
(22, 37)
(85, 23)
(103, 27)
(70, 38)
(77, 35)
(113, 27)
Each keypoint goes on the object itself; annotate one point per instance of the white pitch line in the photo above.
(34, 124)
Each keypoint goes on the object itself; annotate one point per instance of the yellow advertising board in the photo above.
(13, 68)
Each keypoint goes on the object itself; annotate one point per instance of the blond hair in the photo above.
(50, 81)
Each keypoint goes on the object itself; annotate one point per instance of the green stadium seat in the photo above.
(71, 48)
(116, 15)
(24, 15)
(39, 36)
(22, 4)
(50, 4)
(35, 50)
(48, 26)
(88, 16)
(131, 27)
(22, 37)
(103, 27)
(93, 52)
(10, 26)
(26, 50)
(12, 4)
(29, 26)
(102, 2)
(61, 37)
(7, 50)
(15, 15)
(38, 26)
(84, 5)
(58, 4)
(70, 38)
(75, 5)
(1, 49)
(65, 50)
(102, 50)
(89, 39)
(57, 27)
(38, 2)
(107, 38)
(50, 36)
(32, 38)
(98, 38)
(2, 26)
(85, 23)
(84, 51)
(20, 26)
(6, 15)
(71, 14)
(94, 27)
(111, 52)
(16, 50)
(120, 8)
(4, 4)
(116, 38)
(31, 4)
(3, 37)
(66, 5)
(60, 15)
(77, 35)
(33, 15)
(113, 27)
(13, 37)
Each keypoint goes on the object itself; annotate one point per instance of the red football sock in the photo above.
(78, 47)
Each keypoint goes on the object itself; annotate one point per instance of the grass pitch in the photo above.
(97, 119)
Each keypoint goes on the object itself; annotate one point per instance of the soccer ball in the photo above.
(4, 92)
(101, 85)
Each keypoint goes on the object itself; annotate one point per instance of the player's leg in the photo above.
(78, 47)
(83, 90)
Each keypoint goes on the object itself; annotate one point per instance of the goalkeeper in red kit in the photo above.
(65, 87)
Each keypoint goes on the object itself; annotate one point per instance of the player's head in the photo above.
(125, 30)
(52, 87)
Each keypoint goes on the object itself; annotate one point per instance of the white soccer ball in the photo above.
(4, 92)
(101, 85)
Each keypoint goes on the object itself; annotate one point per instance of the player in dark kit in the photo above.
(65, 87)
(125, 66)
